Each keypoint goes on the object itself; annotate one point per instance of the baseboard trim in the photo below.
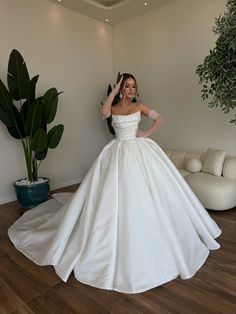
(7, 199)
(64, 184)
(12, 198)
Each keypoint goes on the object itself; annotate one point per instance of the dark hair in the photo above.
(126, 76)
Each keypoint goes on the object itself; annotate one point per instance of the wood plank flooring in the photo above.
(27, 288)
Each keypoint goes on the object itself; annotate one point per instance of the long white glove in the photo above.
(106, 108)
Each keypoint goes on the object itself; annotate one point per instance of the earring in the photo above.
(121, 95)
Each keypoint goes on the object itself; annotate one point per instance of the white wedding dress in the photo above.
(133, 224)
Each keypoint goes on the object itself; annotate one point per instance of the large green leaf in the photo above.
(50, 100)
(41, 155)
(5, 98)
(13, 132)
(109, 124)
(40, 141)
(24, 111)
(118, 77)
(54, 135)
(33, 83)
(18, 76)
(6, 106)
(33, 119)
(16, 129)
(18, 121)
(44, 127)
(6, 117)
(30, 99)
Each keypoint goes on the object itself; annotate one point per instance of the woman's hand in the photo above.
(106, 107)
(117, 87)
(140, 133)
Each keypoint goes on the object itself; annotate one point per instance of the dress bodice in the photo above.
(126, 126)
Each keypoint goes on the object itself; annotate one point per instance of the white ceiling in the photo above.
(113, 10)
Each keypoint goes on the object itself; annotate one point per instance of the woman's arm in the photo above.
(106, 107)
(157, 121)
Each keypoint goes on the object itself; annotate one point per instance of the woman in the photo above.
(127, 87)
(133, 224)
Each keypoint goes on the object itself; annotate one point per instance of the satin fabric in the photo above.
(133, 224)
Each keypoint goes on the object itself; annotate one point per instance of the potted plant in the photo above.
(26, 118)
(218, 71)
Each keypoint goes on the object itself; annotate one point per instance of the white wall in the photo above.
(163, 48)
(73, 53)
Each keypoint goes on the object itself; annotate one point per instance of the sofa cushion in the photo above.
(184, 172)
(213, 161)
(193, 165)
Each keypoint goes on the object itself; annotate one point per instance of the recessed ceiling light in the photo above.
(145, 3)
(107, 20)
(59, 0)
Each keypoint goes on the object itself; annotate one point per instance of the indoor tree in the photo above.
(218, 71)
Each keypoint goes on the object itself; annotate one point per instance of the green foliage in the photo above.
(28, 121)
(218, 71)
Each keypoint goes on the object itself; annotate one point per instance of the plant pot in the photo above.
(31, 195)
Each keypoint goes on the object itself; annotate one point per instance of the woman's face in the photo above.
(129, 89)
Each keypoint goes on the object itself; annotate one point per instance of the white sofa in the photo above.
(211, 175)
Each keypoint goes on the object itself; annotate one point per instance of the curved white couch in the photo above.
(216, 192)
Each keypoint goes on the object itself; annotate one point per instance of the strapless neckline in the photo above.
(125, 115)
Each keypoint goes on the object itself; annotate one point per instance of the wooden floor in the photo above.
(28, 288)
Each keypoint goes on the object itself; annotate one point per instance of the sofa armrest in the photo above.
(229, 167)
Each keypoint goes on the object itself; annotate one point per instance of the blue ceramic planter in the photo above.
(30, 196)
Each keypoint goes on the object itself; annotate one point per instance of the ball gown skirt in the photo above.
(132, 225)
